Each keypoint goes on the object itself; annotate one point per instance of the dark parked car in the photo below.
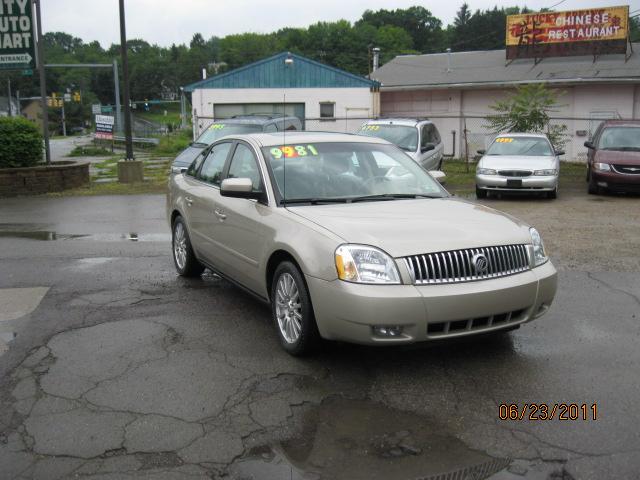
(614, 157)
(236, 125)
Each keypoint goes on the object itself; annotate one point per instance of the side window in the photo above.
(195, 165)
(429, 135)
(244, 165)
(270, 128)
(436, 135)
(211, 171)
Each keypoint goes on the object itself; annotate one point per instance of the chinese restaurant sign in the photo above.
(577, 32)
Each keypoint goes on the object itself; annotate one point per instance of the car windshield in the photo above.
(347, 172)
(403, 136)
(620, 138)
(524, 146)
(219, 129)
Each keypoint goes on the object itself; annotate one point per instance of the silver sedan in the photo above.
(519, 162)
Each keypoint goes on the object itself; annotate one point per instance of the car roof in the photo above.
(259, 119)
(405, 121)
(522, 134)
(298, 137)
(621, 123)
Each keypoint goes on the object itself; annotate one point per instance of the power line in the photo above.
(559, 3)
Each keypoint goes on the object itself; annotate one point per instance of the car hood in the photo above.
(618, 157)
(508, 162)
(408, 227)
(187, 156)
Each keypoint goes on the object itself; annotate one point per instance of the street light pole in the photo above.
(125, 86)
(43, 85)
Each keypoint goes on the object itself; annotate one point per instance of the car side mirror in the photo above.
(179, 169)
(239, 188)
(428, 147)
(559, 152)
(438, 175)
(589, 145)
(481, 152)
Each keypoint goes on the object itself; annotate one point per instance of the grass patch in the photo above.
(90, 151)
(156, 113)
(459, 180)
(171, 145)
(114, 188)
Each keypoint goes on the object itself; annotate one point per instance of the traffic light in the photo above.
(77, 97)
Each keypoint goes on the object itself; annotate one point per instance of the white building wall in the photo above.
(354, 103)
(581, 107)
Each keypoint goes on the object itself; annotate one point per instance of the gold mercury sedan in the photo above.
(349, 239)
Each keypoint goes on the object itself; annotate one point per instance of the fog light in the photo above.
(602, 184)
(387, 332)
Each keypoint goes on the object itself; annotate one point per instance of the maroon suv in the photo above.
(614, 157)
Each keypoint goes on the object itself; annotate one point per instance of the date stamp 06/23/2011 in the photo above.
(548, 411)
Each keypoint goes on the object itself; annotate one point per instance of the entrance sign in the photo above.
(104, 127)
(17, 41)
(591, 31)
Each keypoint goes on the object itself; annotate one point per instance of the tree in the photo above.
(528, 110)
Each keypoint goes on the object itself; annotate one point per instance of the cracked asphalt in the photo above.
(114, 368)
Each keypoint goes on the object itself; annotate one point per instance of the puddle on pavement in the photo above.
(354, 439)
(47, 235)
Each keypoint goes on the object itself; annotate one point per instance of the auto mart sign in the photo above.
(17, 41)
(576, 32)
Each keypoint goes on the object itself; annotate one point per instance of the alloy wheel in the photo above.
(288, 308)
(180, 245)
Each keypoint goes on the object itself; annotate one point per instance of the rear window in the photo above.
(220, 129)
(403, 136)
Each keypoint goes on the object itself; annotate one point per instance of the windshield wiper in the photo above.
(198, 144)
(391, 196)
(623, 149)
(313, 200)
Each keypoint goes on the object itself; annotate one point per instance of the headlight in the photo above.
(364, 264)
(486, 171)
(602, 167)
(551, 171)
(539, 255)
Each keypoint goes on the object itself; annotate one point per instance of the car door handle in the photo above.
(220, 214)
(189, 200)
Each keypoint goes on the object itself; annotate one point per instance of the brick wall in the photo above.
(43, 179)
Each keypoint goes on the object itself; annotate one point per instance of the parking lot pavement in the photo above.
(114, 367)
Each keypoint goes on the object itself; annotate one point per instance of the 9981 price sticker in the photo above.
(548, 411)
(292, 151)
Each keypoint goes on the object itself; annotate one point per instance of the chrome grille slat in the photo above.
(455, 266)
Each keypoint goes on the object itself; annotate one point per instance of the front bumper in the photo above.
(618, 182)
(348, 311)
(534, 183)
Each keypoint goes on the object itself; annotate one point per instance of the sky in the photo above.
(164, 22)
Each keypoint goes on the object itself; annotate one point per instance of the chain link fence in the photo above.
(462, 136)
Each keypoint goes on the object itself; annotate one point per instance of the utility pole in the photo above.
(125, 78)
(43, 85)
(64, 121)
(116, 80)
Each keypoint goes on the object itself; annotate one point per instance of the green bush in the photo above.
(20, 143)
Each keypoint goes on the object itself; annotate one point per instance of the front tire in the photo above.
(593, 187)
(187, 265)
(292, 311)
(553, 194)
(480, 193)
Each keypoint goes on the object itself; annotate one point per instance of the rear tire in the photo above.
(187, 265)
(480, 193)
(292, 311)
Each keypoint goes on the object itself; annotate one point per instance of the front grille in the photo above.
(627, 169)
(515, 173)
(440, 329)
(466, 265)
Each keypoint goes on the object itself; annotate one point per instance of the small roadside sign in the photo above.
(17, 40)
(67, 97)
(104, 127)
(96, 109)
(106, 109)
